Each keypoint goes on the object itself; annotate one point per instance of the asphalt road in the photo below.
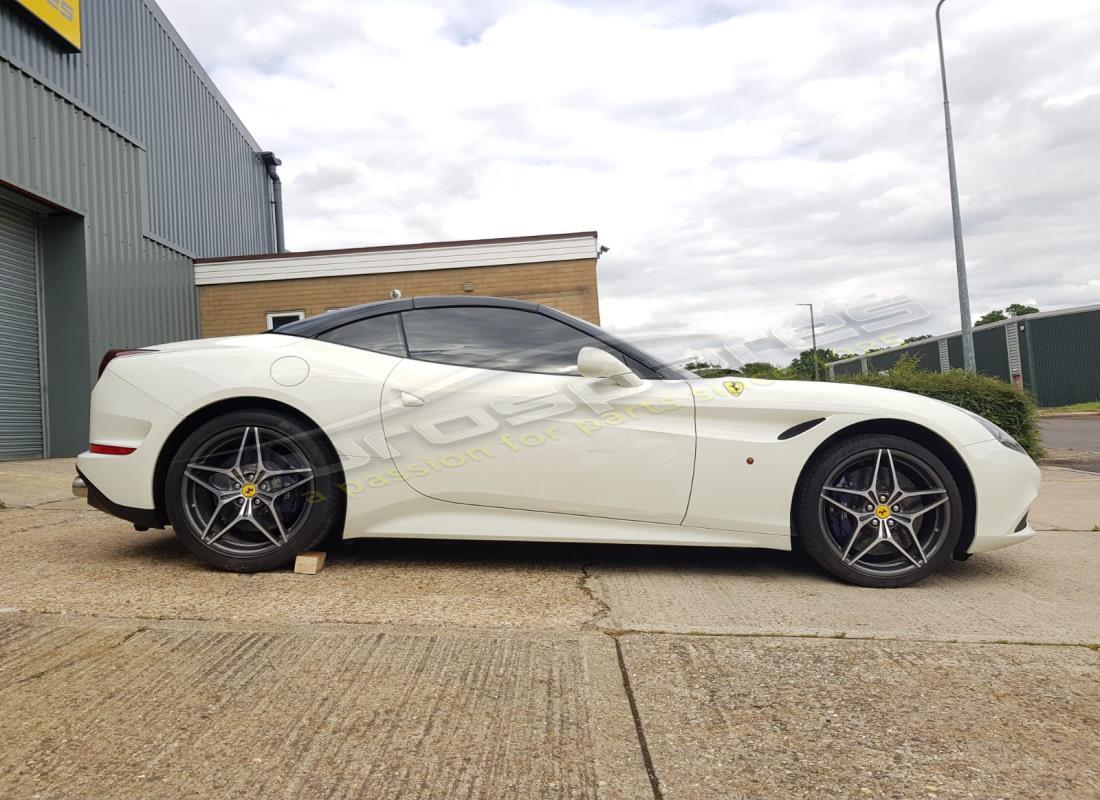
(1072, 432)
(430, 669)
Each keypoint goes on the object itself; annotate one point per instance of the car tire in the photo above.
(249, 490)
(904, 531)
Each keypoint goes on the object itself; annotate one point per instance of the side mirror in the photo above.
(595, 363)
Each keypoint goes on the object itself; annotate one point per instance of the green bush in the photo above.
(997, 401)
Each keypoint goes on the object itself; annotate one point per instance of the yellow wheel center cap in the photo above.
(883, 512)
(248, 490)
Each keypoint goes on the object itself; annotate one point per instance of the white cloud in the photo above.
(738, 157)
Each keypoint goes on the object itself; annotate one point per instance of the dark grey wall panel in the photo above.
(204, 190)
(137, 293)
(1063, 355)
(991, 352)
(65, 314)
(141, 165)
(955, 352)
(928, 354)
(848, 368)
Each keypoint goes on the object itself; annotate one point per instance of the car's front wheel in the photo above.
(250, 490)
(879, 510)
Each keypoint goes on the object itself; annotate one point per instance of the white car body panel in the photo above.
(534, 442)
(733, 429)
(678, 477)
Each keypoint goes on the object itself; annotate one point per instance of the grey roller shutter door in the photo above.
(20, 369)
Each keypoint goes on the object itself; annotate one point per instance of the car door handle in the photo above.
(411, 400)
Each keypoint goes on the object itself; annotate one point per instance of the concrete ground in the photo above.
(483, 670)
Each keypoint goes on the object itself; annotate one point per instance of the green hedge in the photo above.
(997, 401)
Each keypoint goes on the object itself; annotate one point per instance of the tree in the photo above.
(1019, 309)
(920, 338)
(1013, 310)
(704, 369)
(996, 315)
(803, 366)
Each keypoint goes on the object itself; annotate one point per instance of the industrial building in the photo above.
(120, 164)
(253, 293)
(1052, 354)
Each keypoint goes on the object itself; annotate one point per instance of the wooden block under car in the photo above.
(309, 563)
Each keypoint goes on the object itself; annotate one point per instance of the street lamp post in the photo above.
(956, 218)
(813, 338)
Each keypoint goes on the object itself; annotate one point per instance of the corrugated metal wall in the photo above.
(147, 167)
(955, 352)
(991, 352)
(137, 292)
(1056, 350)
(207, 194)
(848, 368)
(927, 351)
(1063, 359)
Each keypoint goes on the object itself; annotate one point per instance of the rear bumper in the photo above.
(140, 517)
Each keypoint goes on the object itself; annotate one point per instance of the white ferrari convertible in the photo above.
(483, 418)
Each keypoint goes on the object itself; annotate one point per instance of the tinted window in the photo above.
(380, 334)
(495, 338)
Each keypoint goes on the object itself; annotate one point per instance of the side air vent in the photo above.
(800, 428)
(1021, 524)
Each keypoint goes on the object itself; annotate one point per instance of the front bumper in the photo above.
(1006, 484)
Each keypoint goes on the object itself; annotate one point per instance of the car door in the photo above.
(489, 410)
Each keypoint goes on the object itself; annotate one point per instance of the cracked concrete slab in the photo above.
(1041, 591)
(121, 710)
(730, 718)
(84, 562)
(471, 669)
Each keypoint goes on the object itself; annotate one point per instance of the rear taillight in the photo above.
(111, 355)
(110, 449)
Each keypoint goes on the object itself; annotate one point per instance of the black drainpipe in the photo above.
(271, 162)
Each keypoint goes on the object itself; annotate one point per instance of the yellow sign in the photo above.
(63, 16)
(734, 387)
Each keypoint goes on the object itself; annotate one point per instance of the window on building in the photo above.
(495, 338)
(276, 319)
(379, 334)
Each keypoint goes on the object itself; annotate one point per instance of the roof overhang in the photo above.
(397, 258)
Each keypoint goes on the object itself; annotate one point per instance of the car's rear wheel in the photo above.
(879, 510)
(250, 490)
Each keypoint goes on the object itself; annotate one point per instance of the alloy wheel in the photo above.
(884, 512)
(245, 491)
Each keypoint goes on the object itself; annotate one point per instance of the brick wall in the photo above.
(229, 309)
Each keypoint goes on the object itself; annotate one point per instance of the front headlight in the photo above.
(999, 433)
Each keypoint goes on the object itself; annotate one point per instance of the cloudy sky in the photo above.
(737, 156)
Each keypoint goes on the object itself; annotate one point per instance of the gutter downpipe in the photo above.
(271, 162)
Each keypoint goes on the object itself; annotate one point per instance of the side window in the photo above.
(378, 334)
(495, 338)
